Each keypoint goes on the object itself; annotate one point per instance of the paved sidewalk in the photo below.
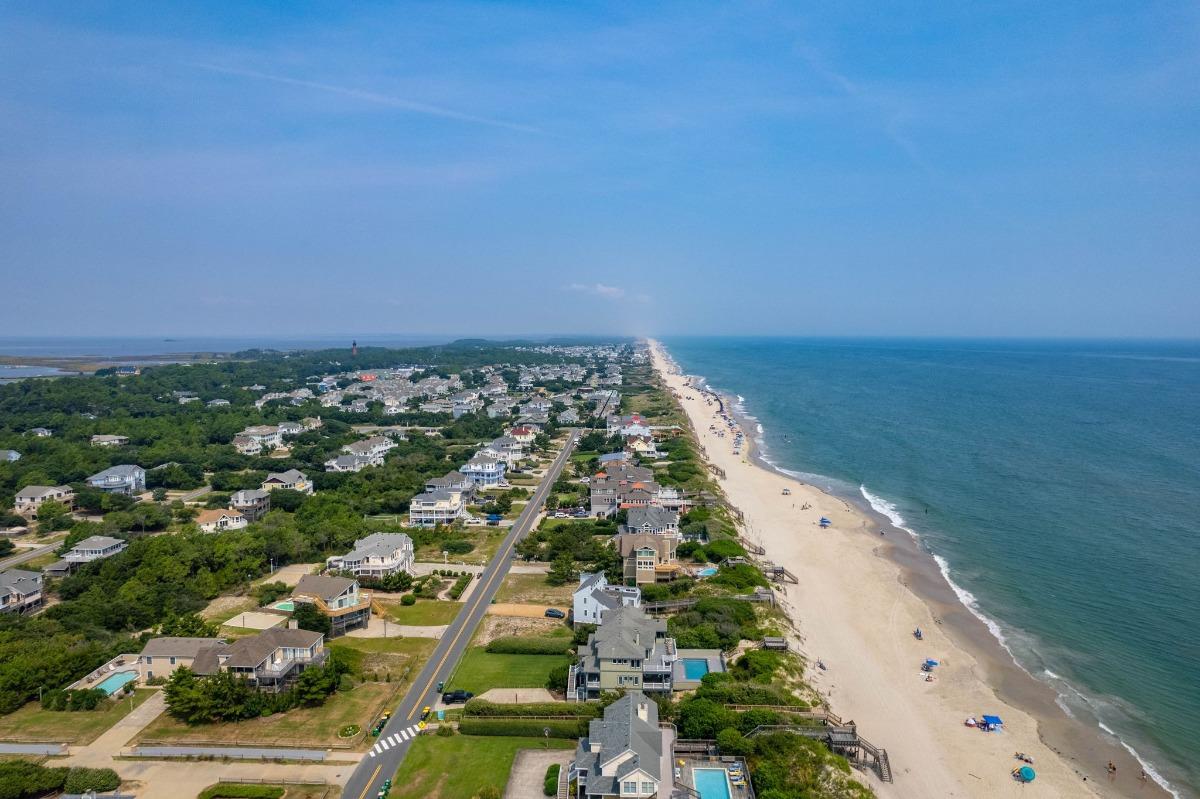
(100, 752)
(33, 749)
(238, 753)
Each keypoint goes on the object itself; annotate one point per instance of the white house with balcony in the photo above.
(123, 479)
(484, 471)
(376, 556)
(436, 507)
(595, 596)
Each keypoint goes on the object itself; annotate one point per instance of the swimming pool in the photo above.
(711, 783)
(695, 668)
(707, 572)
(285, 605)
(115, 682)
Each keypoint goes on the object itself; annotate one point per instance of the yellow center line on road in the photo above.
(478, 598)
(370, 782)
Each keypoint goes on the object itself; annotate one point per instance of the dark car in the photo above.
(555, 613)
(456, 697)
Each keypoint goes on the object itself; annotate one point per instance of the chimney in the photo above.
(293, 624)
(643, 710)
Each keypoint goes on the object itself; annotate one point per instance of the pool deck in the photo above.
(679, 679)
(691, 761)
(126, 662)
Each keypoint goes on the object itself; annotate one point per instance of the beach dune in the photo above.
(852, 609)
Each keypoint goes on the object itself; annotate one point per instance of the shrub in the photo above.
(408, 600)
(235, 791)
(20, 779)
(528, 645)
(484, 708)
(527, 728)
(445, 731)
(457, 547)
(80, 780)
(460, 585)
(559, 678)
(550, 782)
(488, 792)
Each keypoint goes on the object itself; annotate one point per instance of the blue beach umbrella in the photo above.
(1027, 774)
(930, 662)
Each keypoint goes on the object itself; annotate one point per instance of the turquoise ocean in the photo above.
(1055, 483)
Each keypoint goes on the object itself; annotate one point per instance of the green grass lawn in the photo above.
(426, 612)
(533, 589)
(401, 658)
(480, 670)
(38, 563)
(461, 766)
(306, 726)
(33, 723)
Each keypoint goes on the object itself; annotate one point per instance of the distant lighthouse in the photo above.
(354, 348)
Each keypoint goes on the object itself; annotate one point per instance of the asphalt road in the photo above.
(394, 740)
(25, 555)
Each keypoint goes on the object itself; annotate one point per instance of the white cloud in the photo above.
(599, 290)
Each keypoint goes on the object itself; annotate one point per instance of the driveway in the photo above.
(529, 771)
(526, 611)
(100, 752)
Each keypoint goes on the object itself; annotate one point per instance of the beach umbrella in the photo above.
(1027, 774)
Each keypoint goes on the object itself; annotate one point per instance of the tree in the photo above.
(562, 570)
(53, 516)
(188, 626)
(309, 617)
(732, 742)
(704, 718)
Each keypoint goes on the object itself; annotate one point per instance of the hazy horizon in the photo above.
(1013, 171)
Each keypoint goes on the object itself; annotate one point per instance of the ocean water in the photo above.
(1056, 483)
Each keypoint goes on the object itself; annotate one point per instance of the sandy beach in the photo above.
(855, 609)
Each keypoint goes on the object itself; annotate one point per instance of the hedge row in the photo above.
(460, 585)
(529, 645)
(20, 779)
(236, 791)
(550, 781)
(531, 728)
(484, 708)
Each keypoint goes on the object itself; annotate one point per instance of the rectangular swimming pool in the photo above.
(115, 682)
(695, 668)
(711, 783)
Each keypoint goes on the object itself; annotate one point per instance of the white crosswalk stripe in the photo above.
(384, 744)
(394, 740)
(404, 734)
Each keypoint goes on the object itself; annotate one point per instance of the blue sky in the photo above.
(912, 168)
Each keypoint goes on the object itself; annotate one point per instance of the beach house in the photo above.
(484, 471)
(652, 520)
(648, 557)
(103, 440)
(94, 547)
(219, 519)
(161, 656)
(595, 596)
(338, 598)
(123, 479)
(20, 591)
(271, 660)
(291, 480)
(629, 651)
(376, 556)
(252, 503)
(9, 455)
(30, 498)
(436, 507)
(451, 481)
(624, 754)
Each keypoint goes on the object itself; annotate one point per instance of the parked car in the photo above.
(555, 613)
(456, 697)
